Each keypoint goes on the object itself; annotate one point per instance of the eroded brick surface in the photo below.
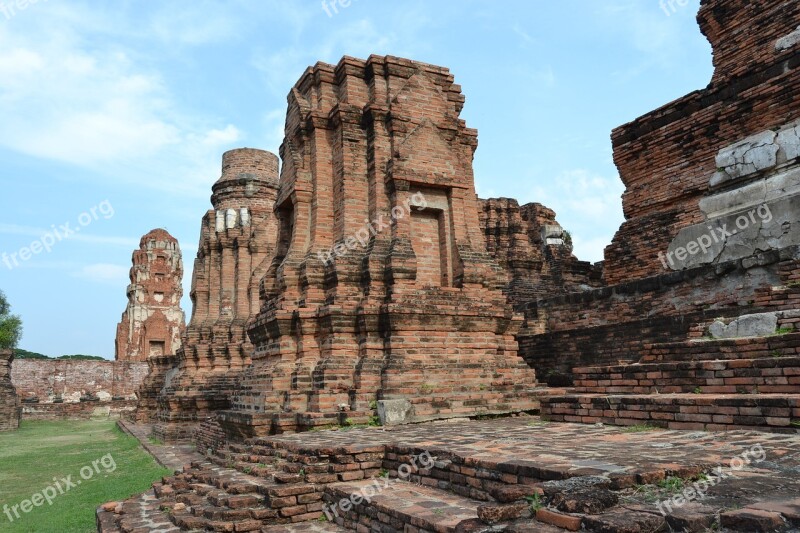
(534, 251)
(462, 466)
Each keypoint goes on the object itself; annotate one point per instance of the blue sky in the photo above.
(126, 107)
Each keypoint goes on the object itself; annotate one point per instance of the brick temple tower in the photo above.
(236, 242)
(381, 288)
(153, 321)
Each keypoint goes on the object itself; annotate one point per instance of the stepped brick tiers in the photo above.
(9, 402)
(153, 321)
(698, 328)
(381, 290)
(236, 243)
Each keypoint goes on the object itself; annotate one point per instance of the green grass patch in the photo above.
(640, 428)
(673, 485)
(39, 451)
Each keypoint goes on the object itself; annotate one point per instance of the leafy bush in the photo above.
(10, 325)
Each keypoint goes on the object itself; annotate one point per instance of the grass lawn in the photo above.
(39, 451)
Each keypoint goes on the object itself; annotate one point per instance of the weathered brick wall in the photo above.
(78, 411)
(71, 380)
(666, 157)
(153, 321)
(619, 323)
(9, 402)
(689, 167)
(517, 237)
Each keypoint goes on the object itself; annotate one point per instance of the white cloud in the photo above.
(586, 204)
(38, 233)
(82, 97)
(104, 273)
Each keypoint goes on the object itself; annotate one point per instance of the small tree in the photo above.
(10, 325)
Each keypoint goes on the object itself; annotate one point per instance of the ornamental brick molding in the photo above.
(153, 321)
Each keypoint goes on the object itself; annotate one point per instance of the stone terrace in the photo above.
(484, 474)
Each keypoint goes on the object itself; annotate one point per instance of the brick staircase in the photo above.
(697, 384)
(276, 485)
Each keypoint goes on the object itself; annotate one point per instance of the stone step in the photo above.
(401, 506)
(140, 513)
(305, 527)
(711, 412)
(723, 349)
(775, 374)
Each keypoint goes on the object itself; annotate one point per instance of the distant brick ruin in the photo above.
(236, 244)
(9, 402)
(153, 321)
(57, 388)
(534, 251)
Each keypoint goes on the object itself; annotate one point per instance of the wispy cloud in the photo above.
(14, 229)
(104, 273)
(587, 204)
(88, 99)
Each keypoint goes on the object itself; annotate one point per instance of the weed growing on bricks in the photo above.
(60, 486)
(55, 235)
(698, 489)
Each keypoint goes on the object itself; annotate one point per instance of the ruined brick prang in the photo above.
(534, 251)
(153, 321)
(9, 403)
(712, 226)
(381, 288)
(236, 241)
(755, 89)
